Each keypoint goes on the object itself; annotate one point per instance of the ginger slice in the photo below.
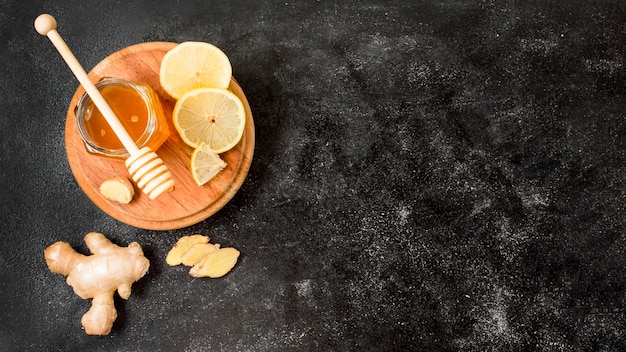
(195, 254)
(216, 264)
(174, 256)
(118, 189)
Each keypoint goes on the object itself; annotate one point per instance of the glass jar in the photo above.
(135, 105)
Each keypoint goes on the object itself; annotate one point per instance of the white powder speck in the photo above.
(304, 288)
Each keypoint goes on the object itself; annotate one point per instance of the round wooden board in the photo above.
(188, 203)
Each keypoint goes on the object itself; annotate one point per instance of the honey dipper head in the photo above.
(45, 23)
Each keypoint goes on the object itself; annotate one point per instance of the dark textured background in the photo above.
(428, 176)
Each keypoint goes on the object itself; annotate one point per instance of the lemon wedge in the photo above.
(205, 164)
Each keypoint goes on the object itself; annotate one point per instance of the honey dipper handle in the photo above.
(46, 25)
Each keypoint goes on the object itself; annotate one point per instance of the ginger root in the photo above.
(195, 254)
(206, 259)
(175, 255)
(118, 189)
(216, 264)
(111, 268)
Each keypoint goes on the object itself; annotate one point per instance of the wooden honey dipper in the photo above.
(145, 167)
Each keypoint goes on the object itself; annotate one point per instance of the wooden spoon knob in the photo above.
(45, 23)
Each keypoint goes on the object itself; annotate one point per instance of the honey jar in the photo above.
(137, 108)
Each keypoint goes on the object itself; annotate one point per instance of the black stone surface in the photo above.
(428, 176)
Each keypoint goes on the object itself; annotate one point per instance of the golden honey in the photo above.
(137, 108)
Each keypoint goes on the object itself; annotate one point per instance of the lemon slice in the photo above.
(213, 116)
(191, 65)
(205, 164)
